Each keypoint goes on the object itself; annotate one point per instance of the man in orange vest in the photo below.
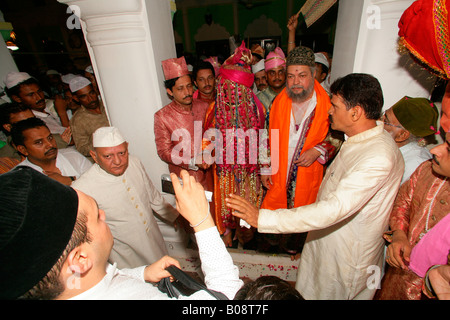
(300, 113)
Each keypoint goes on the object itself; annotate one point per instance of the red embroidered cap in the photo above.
(174, 68)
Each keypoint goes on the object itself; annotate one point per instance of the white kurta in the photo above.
(128, 202)
(50, 117)
(344, 247)
(414, 155)
(128, 284)
(69, 161)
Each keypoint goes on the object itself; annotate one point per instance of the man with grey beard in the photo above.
(299, 113)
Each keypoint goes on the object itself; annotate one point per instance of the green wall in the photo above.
(222, 14)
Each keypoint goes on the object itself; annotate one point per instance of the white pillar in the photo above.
(366, 42)
(127, 40)
(7, 63)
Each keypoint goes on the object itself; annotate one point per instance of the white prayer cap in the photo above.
(320, 58)
(78, 83)
(257, 67)
(67, 77)
(13, 78)
(107, 137)
(89, 69)
(51, 71)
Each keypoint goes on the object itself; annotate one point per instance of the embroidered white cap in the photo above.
(67, 77)
(106, 137)
(257, 67)
(320, 58)
(78, 83)
(13, 78)
(51, 71)
(89, 69)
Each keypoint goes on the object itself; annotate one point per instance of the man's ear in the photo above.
(169, 92)
(7, 127)
(16, 98)
(79, 261)
(357, 112)
(93, 155)
(22, 150)
(402, 136)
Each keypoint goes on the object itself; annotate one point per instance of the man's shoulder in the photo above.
(134, 160)
(79, 114)
(86, 179)
(426, 169)
(383, 142)
(164, 109)
(373, 145)
(264, 93)
(70, 152)
(200, 103)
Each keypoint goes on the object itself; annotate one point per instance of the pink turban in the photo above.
(275, 59)
(215, 63)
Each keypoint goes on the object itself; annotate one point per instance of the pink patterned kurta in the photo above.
(410, 214)
(172, 117)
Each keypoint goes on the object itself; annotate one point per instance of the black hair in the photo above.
(169, 84)
(7, 109)
(18, 128)
(360, 89)
(201, 65)
(268, 288)
(325, 69)
(15, 91)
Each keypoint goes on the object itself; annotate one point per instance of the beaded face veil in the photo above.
(238, 119)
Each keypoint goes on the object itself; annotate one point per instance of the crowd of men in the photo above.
(343, 207)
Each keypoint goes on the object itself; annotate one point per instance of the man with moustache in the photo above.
(13, 112)
(24, 89)
(122, 188)
(300, 115)
(420, 209)
(346, 223)
(34, 140)
(259, 71)
(89, 117)
(275, 67)
(180, 119)
(205, 81)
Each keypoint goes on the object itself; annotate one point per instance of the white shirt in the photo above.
(345, 225)
(414, 155)
(51, 120)
(220, 275)
(129, 202)
(69, 161)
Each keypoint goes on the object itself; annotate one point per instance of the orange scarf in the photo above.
(308, 178)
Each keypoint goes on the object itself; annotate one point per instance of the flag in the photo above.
(312, 10)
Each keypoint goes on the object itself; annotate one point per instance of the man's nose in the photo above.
(116, 160)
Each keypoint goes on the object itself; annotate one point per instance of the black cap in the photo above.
(37, 218)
